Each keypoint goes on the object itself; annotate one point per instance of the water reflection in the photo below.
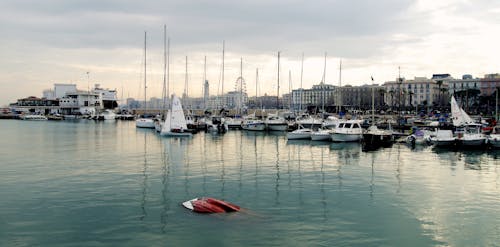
(144, 180)
(165, 168)
(347, 152)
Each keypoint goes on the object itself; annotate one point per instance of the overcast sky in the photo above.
(59, 41)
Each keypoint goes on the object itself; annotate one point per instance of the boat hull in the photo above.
(298, 136)
(277, 127)
(320, 137)
(341, 137)
(254, 126)
(145, 123)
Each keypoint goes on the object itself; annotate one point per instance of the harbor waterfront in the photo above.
(101, 183)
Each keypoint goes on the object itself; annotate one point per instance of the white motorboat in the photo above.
(494, 138)
(472, 136)
(144, 122)
(347, 131)
(34, 117)
(322, 134)
(107, 115)
(276, 123)
(233, 123)
(443, 138)
(175, 121)
(250, 122)
(300, 133)
(309, 122)
(420, 137)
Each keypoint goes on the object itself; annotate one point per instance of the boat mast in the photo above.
(323, 87)
(373, 103)
(290, 90)
(241, 85)
(340, 87)
(223, 53)
(185, 96)
(145, 103)
(257, 88)
(301, 76)
(204, 82)
(168, 73)
(164, 91)
(278, 95)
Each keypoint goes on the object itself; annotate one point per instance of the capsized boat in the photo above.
(208, 205)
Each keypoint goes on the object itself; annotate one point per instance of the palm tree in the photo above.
(392, 97)
(442, 91)
(439, 83)
(382, 93)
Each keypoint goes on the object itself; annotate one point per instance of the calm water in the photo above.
(109, 184)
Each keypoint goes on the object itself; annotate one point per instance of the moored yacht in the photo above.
(251, 122)
(347, 131)
(300, 133)
(494, 138)
(275, 123)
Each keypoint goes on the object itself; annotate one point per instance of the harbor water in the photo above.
(87, 183)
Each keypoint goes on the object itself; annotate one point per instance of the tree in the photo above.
(392, 97)
(439, 83)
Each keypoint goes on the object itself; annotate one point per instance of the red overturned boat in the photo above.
(208, 205)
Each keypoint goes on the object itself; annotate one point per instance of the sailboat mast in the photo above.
(290, 90)
(257, 87)
(323, 87)
(373, 103)
(278, 94)
(241, 85)
(301, 77)
(168, 72)
(204, 81)
(164, 91)
(339, 94)
(145, 103)
(223, 53)
(186, 83)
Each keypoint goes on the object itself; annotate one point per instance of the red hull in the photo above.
(209, 205)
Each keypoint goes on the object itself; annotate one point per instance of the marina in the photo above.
(88, 183)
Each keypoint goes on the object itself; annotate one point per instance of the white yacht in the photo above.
(494, 138)
(347, 131)
(250, 122)
(322, 134)
(144, 122)
(34, 117)
(300, 133)
(443, 138)
(275, 123)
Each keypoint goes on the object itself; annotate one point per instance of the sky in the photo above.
(59, 41)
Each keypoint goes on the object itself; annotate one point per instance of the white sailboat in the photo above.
(175, 121)
(468, 132)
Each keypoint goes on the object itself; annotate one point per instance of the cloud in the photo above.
(55, 40)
